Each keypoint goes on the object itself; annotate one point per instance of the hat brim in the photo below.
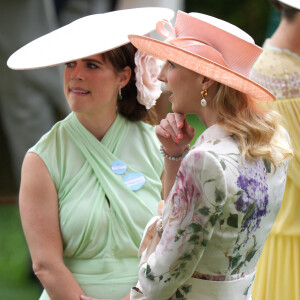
(87, 36)
(201, 65)
(292, 3)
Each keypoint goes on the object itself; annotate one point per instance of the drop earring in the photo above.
(203, 95)
(120, 95)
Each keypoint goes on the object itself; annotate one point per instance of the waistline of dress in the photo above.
(239, 289)
(103, 268)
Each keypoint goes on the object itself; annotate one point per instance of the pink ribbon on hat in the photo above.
(166, 29)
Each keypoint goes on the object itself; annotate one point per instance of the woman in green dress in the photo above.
(90, 185)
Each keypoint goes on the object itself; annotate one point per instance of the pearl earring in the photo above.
(203, 95)
(120, 94)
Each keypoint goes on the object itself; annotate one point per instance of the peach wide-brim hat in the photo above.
(291, 3)
(209, 46)
(87, 36)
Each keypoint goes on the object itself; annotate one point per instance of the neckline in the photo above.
(275, 48)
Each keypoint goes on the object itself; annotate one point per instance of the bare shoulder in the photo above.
(36, 182)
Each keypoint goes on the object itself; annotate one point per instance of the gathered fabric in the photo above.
(102, 217)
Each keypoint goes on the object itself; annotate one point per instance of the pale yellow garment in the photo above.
(278, 269)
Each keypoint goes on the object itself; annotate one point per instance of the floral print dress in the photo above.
(215, 222)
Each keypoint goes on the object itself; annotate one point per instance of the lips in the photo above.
(170, 95)
(79, 91)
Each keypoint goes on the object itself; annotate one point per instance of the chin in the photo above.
(177, 109)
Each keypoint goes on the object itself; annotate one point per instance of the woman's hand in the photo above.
(174, 134)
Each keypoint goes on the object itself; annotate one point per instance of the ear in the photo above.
(207, 83)
(124, 76)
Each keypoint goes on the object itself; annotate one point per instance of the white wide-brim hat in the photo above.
(291, 3)
(87, 36)
(209, 46)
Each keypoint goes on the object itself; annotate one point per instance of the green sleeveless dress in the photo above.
(107, 193)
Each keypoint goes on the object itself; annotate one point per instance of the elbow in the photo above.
(41, 268)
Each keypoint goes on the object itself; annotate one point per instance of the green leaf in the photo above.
(250, 255)
(235, 260)
(267, 165)
(179, 295)
(194, 239)
(148, 270)
(219, 208)
(186, 288)
(223, 164)
(204, 211)
(217, 141)
(194, 251)
(186, 256)
(181, 231)
(213, 219)
(150, 276)
(220, 195)
(209, 180)
(195, 227)
(182, 265)
(204, 243)
(249, 213)
(233, 220)
(239, 193)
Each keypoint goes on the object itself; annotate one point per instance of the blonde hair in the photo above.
(257, 128)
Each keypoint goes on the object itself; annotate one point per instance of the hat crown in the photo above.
(236, 48)
(210, 47)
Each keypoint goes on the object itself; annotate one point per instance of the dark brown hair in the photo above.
(286, 11)
(129, 107)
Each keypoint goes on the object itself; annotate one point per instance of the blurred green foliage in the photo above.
(251, 16)
(16, 282)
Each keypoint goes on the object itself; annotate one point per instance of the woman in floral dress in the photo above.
(223, 194)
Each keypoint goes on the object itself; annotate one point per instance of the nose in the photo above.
(162, 75)
(77, 72)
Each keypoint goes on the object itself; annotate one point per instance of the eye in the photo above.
(70, 64)
(171, 65)
(91, 65)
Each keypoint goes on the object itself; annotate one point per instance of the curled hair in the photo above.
(287, 12)
(257, 129)
(129, 107)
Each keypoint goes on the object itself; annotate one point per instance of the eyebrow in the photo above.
(93, 61)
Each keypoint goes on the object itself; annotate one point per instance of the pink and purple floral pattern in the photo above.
(215, 220)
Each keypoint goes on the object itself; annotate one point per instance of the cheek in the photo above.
(65, 86)
(174, 80)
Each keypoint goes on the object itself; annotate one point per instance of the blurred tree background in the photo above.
(256, 17)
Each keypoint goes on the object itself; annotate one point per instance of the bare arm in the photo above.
(40, 221)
